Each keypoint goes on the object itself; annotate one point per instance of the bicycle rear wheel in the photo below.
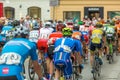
(31, 71)
(96, 70)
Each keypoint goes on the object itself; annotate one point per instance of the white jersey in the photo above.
(45, 32)
(33, 36)
(83, 28)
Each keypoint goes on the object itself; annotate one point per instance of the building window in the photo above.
(9, 12)
(34, 12)
(113, 14)
(71, 15)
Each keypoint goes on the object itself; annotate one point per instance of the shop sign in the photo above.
(54, 2)
(93, 9)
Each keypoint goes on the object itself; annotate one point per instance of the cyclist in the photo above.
(14, 53)
(117, 29)
(97, 38)
(85, 32)
(59, 26)
(42, 42)
(110, 33)
(52, 38)
(78, 35)
(64, 47)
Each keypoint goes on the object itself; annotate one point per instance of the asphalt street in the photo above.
(109, 71)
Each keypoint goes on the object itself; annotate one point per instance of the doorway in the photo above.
(92, 14)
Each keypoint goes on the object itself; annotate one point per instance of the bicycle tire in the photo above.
(31, 71)
(97, 69)
(44, 68)
(94, 73)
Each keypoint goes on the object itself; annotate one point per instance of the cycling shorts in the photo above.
(42, 45)
(62, 62)
(50, 52)
(93, 46)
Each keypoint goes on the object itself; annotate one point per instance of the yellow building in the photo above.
(78, 9)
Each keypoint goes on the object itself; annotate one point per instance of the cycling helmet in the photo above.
(112, 23)
(59, 22)
(80, 22)
(67, 32)
(48, 24)
(99, 25)
(15, 23)
(21, 31)
(76, 27)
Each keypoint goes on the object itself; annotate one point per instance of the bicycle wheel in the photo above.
(31, 71)
(96, 69)
(44, 68)
(75, 75)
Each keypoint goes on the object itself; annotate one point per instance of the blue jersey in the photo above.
(68, 45)
(13, 56)
(5, 29)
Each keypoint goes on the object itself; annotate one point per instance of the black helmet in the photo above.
(76, 27)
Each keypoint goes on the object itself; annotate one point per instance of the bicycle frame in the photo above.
(96, 65)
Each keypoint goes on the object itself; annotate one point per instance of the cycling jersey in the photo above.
(109, 29)
(97, 36)
(67, 45)
(118, 29)
(59, 27)
(76, 35)
(13, 56)
(63, 48)
(86, 36)
(53, 36)
(45, 32)
(5, 29)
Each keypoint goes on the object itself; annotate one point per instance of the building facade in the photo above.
(20, 8)
(79, 9)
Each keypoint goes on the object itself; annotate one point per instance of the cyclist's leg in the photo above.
(99, 46)
(57, 71)
(118, 42)
(92, 49)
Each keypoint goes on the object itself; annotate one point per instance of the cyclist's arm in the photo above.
(104, 37)
(78, 50)
(34, 58)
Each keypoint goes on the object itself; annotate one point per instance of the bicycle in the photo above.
(110, 56)
(43, 64)
(76, 69)
(96, 65)
(61, 65)
(28, 72)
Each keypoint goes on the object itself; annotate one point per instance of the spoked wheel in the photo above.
(96, 70)
(31, 71)
(75, 75)
(110, 59)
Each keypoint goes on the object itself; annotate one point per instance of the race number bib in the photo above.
(10, 58)
(33, 34)
(44, 36)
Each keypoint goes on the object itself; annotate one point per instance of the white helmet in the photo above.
(48, 24)
(20, 30)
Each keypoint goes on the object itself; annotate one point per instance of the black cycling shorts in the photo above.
(50, 51)
(8, 78)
